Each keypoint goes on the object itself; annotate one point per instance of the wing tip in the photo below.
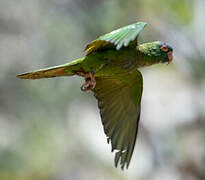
(124, 162)
(142, 23)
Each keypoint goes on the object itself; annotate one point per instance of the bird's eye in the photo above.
(164, 48)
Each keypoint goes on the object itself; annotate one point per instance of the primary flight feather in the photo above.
(110, 69)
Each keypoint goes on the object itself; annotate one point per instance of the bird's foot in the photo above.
(90, 82)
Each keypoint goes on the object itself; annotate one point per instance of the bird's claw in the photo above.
(90, 82)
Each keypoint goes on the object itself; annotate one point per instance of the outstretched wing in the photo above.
(119, 100)
(118, 38)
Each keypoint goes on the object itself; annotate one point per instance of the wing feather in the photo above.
(117, 39)
(119, 100)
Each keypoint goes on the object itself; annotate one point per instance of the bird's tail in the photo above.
(68, 69)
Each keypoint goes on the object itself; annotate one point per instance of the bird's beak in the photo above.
(170, 56)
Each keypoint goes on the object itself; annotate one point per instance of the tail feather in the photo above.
(68, 69)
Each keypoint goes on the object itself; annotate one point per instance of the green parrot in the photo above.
(110, 68)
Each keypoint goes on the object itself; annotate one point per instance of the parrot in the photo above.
(110, 69)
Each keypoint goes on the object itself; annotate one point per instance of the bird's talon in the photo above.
(87, 86)
(90, 82)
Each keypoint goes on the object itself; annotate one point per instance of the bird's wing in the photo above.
(117, 39)
(119, 100)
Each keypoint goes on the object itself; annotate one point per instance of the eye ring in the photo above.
(164, 48)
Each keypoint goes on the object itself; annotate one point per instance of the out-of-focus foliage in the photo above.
(49, 129)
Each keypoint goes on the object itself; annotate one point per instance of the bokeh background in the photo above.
(50, 130)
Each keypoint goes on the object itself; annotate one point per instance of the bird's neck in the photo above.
(146, 58)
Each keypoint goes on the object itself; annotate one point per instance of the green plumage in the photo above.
(113, 59)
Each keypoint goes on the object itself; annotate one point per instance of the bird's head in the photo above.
(158, 50)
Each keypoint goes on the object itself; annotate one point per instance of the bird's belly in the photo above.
(116, 68)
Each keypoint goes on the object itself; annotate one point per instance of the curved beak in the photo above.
(170, 56)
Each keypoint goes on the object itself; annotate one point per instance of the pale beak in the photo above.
(170, 56)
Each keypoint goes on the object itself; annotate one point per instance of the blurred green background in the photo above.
(50, 130)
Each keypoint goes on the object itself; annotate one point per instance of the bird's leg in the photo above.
(90, 82)
(92, 78)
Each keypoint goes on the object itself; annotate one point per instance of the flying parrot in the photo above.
(110, 69)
